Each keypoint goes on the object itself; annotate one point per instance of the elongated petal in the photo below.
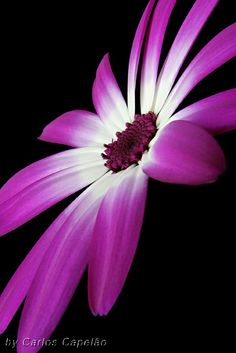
(48, 166)
(77, 128)
(61, 268)
(46, 182)
(184, 153)
(182, 44)
(216, 114)
(115, 239)
(152, 52)
(108, 100)
(135, 56)
(18, 286)
(219, 50)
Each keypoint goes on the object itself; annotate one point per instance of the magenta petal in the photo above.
(135, 56)
(219, 50)
(61, 268)
(182, 44)
(115, 239)
(44, 183)
(17, 288)
(108, 100)
(216, 114)
(48, 166)
(184, 153)
(77, 128)
(152, 52)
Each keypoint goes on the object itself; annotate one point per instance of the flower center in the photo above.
(131, 143)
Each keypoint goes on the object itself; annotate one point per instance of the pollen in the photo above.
(131, 143)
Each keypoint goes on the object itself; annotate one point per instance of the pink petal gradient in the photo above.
(61, 267)
(152, 52)
(18, 286)
(77, 128)
(216, 114)
(184, 153)
(115, 238)
(48, 166)
(135, 57)
(108, 100)
(219, 50)
(46, 182)
(181, 46)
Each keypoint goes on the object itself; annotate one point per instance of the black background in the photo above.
(180, 290)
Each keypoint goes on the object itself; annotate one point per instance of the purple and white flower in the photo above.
(115, 151)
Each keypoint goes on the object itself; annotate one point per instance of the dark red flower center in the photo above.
(131, 143)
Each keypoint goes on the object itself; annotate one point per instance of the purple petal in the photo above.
(216, 114)
(115, 239)
(77, 128)
(135, 56)
(219, 50)
(108, 100)
(152, 52)
(44, 183)
(61, 267)
(18, 286)
(181, 46)
(47, 166)
(184, 153)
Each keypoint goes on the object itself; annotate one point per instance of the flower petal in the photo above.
(135, 56)
(181, 46)
(61, 267)
(17, 288)
(152, 52)
(47, 166)
(115, 238)
(44, 183)
(219, 50)
(77, 128)
(216, 114)
(108, 100)
(184, 153)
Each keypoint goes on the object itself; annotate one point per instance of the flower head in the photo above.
(115, 150)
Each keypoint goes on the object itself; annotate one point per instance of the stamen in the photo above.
(131, 143)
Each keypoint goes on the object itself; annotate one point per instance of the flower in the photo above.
(101, 227)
